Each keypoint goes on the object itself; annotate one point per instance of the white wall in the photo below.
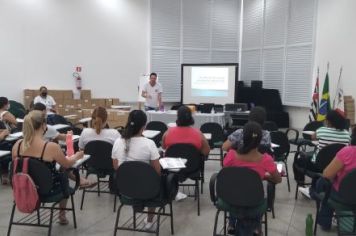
(41, 42)
(335, 43)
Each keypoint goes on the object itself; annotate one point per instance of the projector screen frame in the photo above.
(236, 65)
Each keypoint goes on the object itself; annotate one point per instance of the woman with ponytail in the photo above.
(98, 130)
(134, 147)
(34, 146)
(247, 155)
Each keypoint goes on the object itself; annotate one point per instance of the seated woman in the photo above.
(185, 133)
(98, 130)
(33, 146)
(6, 117)
(343, 163)
(248, 156)
(334, 132)
(134, 147)
(51, 134)
(4, 161)
(234, 140)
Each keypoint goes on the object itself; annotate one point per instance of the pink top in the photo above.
(183, 135)
(266, 164)
(347, 156)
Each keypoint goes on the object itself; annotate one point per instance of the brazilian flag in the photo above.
(325, 100)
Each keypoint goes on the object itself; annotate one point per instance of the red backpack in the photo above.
(24, 189)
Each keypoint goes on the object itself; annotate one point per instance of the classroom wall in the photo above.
(42, 41)
(335, 43)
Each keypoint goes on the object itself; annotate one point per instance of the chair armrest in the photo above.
(75, 171)
(296, 132)
(212, 189)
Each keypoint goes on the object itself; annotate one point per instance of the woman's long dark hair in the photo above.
(252, 135)
(136, 121)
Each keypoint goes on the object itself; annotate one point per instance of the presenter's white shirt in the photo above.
(48, 101)
(89, 134)
(139, 149)
(153, 92)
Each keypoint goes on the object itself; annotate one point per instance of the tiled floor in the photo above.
(97, 217)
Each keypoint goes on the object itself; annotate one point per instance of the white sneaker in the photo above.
(304, 191)
(148, 225)
(180, 196)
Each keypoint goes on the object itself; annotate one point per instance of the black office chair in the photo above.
(58, 119)
(205, 107)
(270, 126)
(218, 108)
(323, 159)
(44, 215)
(176, 106)
(238, 191)
(138, 185)
(193, 170)
(344, 206)
(306, 139)
(159, 126)
(281, 152)
(99, 164)
(217, 138)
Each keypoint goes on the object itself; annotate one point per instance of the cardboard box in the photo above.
(69, 104)
(115, 101)
(79, 113)
(27, 101)
(85, 94)
(56, 94)
(98, 102)
(60, 111)
(28, 92)
(86, 104)
(108, 102)
(67, 94)
(78, 103)
(87, 113)
(348, 98)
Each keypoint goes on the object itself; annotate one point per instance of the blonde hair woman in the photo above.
(34, 146)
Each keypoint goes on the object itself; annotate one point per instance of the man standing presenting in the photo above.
(152, 91)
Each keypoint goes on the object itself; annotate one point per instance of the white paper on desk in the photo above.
(172, 163)
(16, 135)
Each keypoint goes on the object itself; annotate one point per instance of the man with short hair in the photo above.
(152, 91)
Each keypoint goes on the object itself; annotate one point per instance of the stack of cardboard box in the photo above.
(349, 103)
(82, 107)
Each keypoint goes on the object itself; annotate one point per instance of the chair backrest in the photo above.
(176, 106)
(216, 131)
(327, 154)
(189, 152)
(347, 188)
(218, 108)
(312, 126)
(138, 180)
(17, 109)
(206, 107)
(270, 126)
(160, 126)
(58, 119)
(240, 187)
(40, 174)
(280, 138)
(100, 155)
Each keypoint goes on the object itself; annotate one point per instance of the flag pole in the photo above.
(338, 81)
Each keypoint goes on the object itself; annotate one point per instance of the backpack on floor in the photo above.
(24, 189)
